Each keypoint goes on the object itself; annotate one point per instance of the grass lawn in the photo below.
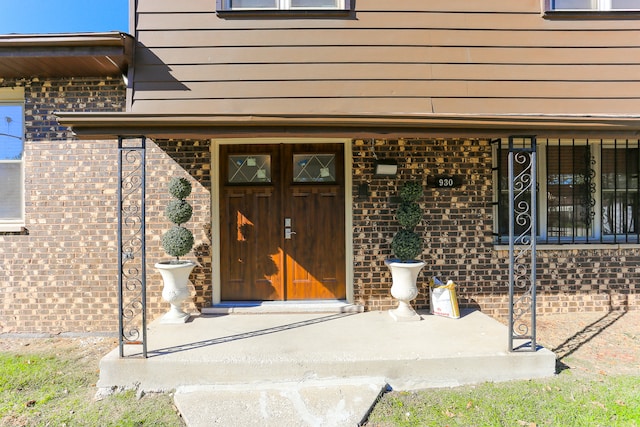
(51, 382)
(565, 400)
(57, 388)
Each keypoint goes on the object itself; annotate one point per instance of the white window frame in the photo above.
(284, 5)
(15, 225)
(596, 5)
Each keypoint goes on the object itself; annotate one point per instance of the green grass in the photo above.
(58, 390)
(561, 401)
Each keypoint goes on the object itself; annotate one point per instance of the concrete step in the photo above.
(315, 403)
(278, 348)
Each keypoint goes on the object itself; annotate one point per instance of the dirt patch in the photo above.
(605, 343)
(87, 348)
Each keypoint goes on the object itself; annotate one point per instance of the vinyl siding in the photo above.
(392, 58)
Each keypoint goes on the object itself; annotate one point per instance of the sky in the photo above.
(63, 16)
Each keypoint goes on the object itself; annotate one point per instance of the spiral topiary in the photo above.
(407, 244)
(178, 241)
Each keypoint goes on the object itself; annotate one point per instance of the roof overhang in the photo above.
(165, 126)
(65, 55)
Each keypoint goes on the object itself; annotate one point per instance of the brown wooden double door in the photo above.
(282, 222)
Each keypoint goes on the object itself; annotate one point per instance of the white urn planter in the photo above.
(404, 276)
(176, 290)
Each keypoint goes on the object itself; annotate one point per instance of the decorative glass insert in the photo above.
(249, 169)
(314, 168)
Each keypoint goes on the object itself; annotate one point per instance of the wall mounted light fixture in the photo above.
(385, 167)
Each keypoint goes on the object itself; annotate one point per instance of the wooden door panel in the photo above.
(315, 254)
(251, 266)
(257, 262)
(253, 262)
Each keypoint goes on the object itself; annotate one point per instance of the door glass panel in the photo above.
(249, 169)
(314, 168)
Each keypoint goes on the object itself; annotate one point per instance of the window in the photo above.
(594, 4)
(283, 4)
(11, 166)
(249, 169)
(588, 191)
(314, 168)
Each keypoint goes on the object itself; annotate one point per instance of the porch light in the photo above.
(385, 167)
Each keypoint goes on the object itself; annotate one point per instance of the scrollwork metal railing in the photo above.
(522, 243)
(131, 244)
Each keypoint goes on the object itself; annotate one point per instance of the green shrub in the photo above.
(411, 191)
(178, 211)
(178, 241)
(180, 188)
(407, 244)
(409, 214)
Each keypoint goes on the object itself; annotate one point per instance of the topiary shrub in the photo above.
(178, 241)
(407, 244)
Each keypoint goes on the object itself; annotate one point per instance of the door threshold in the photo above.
(260, 307)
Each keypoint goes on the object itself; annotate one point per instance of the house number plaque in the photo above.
(444, 181)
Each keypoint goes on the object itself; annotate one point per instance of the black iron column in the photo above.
(523, 213)
(132, 275)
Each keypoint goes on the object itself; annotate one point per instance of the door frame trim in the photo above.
(215, 203)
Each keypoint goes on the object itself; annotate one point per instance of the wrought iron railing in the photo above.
(522, 243)
(132, 304)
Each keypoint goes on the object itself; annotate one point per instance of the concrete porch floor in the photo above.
(258, 351)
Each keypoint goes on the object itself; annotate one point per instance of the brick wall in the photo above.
(192, 160)
(61, 273)
(458, 227)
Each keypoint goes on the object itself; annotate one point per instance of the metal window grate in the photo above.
(589, 191)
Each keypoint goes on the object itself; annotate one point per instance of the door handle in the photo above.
(287, 229)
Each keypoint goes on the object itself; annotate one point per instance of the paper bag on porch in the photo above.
(443, 298)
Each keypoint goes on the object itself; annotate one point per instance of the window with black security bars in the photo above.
(588, 191)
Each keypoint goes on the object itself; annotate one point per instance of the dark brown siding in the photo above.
(396, 58)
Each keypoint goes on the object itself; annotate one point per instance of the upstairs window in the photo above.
(283, 4)
(11, 166)
(601, 5)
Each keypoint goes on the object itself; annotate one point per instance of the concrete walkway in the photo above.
(314, 369)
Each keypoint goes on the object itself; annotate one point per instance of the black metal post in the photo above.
(132, 286)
